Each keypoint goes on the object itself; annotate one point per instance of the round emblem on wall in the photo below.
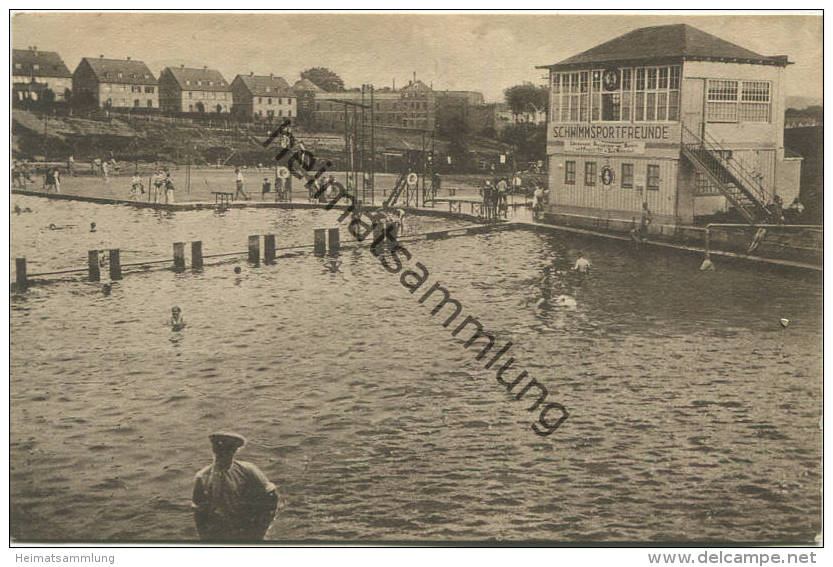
(412, 178)
(607, 175)
(283, 172)
(610, 79)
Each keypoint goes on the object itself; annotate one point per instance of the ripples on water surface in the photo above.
(693, 414)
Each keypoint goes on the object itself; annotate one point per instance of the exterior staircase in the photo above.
(731, 178)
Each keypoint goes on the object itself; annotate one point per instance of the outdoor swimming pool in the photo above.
(694, 415)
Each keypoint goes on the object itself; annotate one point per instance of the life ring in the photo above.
(283, 172)
(412, 178)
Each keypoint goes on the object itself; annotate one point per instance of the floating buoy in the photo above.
(785, 322)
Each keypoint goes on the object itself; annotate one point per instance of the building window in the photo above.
(569, 173)
(269, 100)
(627, 176)
(260, 100)
(280, 112)
(289, 113)
(590, 173)
(280, 101)
(738, 101)
(653, 178)
(190, 94)
(136, 103)
(149, 89)
(18, 66)
(187, 81)
(121, 75)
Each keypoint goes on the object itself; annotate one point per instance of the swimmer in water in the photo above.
(92, 227)
(582, 264)
(237, 270)
(177, 321)
(106, 289)
(17, 209)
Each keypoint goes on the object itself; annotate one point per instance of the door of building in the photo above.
(694, 105)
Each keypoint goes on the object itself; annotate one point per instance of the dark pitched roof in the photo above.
(680, 42)
(126, 71)
(306, 85)
(258, 85)
(49, 63)
(204, 79)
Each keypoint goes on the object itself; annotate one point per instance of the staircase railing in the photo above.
(734, 180)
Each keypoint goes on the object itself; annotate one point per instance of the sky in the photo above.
(480, 52)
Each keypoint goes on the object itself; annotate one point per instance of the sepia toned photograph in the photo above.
(413, 279)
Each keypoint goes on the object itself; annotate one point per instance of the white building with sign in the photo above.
(673, 117)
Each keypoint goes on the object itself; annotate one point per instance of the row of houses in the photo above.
(128, 83)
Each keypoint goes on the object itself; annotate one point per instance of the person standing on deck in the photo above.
(645, 221)
(56, 174)
(232, 500)
(169, 190)
(239, 184)
(538, 202)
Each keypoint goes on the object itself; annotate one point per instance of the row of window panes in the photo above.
(738, 101)
(133, 88)
(590, 174)
(271, 113)
(124, 102)
(570, 102)
(211, 83)
(210, 94)
(193, 108)
(120, 75)
(269, 100)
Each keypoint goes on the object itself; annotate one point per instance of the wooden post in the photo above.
(269, 248)
(254, 249)
(333, 241)
(94, 269)
(319, 243)
(20, 272)
(115, 265)
(196, 255)
(179, 255)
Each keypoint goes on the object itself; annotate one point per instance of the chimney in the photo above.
(182, 65)
(128, 57)
(394, 83)
(271, 76)
(205, 67)
(415, 76)
(251, 73)
(101, 56)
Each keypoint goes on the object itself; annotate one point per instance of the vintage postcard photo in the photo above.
(416, 278)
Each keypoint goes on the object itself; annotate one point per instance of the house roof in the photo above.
(204, 79)
(306, 85)
(49, 63)
(126, 71)
(678, 42)
(265, 85)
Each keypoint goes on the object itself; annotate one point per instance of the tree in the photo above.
(458, 147)
(523, 98)
(324, 78)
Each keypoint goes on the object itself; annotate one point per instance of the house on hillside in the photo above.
(34, 72)
(263, 97)
(671, 117)
(305, 92)
(114, 83)
(184, 89)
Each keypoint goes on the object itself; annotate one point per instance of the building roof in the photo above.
(126, 71)
(679, 42)
(265, 85)
(307, 85)
(204, 79)
(49, 63)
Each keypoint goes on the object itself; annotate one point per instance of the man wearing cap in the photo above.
(233, 500)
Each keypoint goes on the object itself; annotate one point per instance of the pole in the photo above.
(319, 241)
(372, 149)
(346, 148)
(115, 265)
(333, 238)
(93, 268)
(179, 255)
(20, 272)
(196, 255)
(269, 248)
(254, 249)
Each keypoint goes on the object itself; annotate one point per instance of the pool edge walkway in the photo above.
(498, 226)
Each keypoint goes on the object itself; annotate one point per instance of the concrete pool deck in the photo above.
(509, 224)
